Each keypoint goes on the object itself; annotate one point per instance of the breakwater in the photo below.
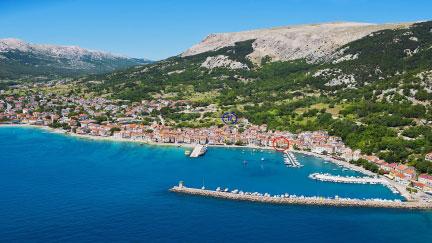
(347, 179)
(353, 180)
(299, 200)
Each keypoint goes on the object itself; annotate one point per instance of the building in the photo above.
(425, 179)
(428, 156)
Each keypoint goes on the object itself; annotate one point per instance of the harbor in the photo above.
(288, 199)
(347, 179)
(353, 180)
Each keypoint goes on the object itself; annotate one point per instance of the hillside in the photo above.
(375, 92)
(311, 42)
(21, 60)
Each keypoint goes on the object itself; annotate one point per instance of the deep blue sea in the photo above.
(64, 189)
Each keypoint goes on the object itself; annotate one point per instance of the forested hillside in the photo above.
(375, 92)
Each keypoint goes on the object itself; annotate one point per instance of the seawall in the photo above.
(312, 201)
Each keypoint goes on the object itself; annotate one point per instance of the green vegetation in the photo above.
(387, 110)
(28, 65)
(366, 164)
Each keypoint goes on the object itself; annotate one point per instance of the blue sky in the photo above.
(159, 29)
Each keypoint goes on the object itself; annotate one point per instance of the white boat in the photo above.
(198, 151)
(290, 160)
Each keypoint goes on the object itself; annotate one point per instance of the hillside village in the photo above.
(80, 116)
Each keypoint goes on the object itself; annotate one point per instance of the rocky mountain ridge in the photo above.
(19, 59)
(313, 42)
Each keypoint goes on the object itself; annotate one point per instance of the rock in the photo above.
(313, 42)
(222, 61)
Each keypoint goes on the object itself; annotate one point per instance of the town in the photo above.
(99, 117)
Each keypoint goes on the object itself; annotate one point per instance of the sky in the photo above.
(158, 29)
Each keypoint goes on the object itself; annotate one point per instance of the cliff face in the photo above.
(313, 42)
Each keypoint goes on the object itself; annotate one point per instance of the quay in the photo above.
(198, 151)
(300, 200)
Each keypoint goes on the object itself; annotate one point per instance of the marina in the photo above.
(299, 200)
(347, 179)
(353, 180)
(290, 160)
(128, 177)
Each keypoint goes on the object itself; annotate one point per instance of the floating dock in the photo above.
(299, 200)
(198, 151)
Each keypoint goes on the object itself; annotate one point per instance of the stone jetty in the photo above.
(300, 200)
(354, 180)
(347, 179)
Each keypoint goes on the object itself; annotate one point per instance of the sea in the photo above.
(59, 188)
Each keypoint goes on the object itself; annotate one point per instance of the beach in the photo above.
(401, 188)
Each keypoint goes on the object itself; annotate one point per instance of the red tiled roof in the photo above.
(425, 176)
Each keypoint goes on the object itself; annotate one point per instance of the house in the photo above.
(386, 167)
(418, 185)
(400, 178)
(425, 179)
(348, 154)
(323, 149)
(406, 171)
(428, 156)
(410, 173)
(370, 158)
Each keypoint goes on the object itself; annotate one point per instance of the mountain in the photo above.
(371, 85)
(313, 42)
(22, 60)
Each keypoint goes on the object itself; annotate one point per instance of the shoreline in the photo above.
(402, 189)
(98, 138)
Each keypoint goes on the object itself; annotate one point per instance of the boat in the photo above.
(262, 159)
(290, 160)
(198, 151)
(187, 152)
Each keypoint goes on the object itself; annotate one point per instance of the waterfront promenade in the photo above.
(300, 200)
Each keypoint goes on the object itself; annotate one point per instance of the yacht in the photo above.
(290, 160)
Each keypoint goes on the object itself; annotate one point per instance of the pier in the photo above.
(290, 160)
(198, 151)
(299, 200)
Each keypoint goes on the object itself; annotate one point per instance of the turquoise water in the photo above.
(59, 188)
